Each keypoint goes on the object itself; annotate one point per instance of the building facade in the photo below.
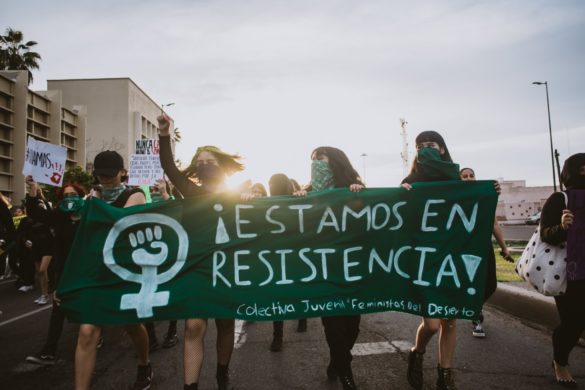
(118, 113)
(39, 114)
(518, 202)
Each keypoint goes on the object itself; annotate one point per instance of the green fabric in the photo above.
(334, 252)
(321, 176)
(72, 204)
(431, 167)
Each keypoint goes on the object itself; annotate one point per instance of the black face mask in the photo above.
(209, 173)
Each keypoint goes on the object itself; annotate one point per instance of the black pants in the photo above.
(55, 330)
(571, 308)
(27, 268)
(341, 334)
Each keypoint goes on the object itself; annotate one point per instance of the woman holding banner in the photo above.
(330, 168)
(432, 163)
(562, 222)
(209, 168)
(108, 169)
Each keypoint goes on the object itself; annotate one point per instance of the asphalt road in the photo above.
(513, 356)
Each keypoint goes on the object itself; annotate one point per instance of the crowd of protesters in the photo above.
(36, 239)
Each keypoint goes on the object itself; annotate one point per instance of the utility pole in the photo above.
(404, 153)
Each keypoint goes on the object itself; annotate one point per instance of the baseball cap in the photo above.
(107, 163)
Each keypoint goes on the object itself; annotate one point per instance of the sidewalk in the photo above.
(518, 300)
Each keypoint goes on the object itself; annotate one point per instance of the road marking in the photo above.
(24, 315)
(364, 349)
(240, 334)
(6, 281)
(402, 346)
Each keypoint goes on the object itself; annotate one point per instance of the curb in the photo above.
(525, 304)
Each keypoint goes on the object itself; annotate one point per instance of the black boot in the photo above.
(414, 373)
(276, 345)
(446, 379)
(192, 386)
(347, 382)
(331, 372)
(223, 378)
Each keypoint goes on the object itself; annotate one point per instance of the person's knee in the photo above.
(449, 325)
(431, 325)
(194, 329)
(88, 336)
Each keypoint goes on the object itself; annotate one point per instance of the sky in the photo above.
(272, 80)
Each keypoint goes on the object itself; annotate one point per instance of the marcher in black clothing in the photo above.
(41, 246)
(468, 174)
(108, 168)
(209, 168)
(330, 168)
(64, 220)
(557, 221)
(280, 184)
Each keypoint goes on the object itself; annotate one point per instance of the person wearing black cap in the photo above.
(108, 169)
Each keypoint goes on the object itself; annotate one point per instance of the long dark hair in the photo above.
(344, 173)
(228, 163)
(431, 136)
(570, 176)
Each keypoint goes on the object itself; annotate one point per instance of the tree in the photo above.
(16, 55)
(176, 135)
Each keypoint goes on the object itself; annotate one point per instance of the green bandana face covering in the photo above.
(72, 204)
(430, 165)
(321, 175)
(109, 195)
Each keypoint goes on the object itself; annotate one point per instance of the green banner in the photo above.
(335, 252)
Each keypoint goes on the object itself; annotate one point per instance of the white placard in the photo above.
(144, 169)
(147, 146)
(45, 162)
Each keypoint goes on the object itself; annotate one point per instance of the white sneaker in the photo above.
(478, 331)
(25, 288)
(43, 300)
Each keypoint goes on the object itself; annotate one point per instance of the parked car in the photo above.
(534, 219)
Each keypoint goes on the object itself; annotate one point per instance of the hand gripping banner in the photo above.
(335, 252)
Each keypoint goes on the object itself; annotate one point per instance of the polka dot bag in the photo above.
(543, 265)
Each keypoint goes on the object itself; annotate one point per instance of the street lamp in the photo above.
(162, 106)
(549, 132)
(363, 155)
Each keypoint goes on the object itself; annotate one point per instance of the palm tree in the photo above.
(16, 55)
(176, 135)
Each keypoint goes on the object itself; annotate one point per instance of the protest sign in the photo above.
(334, 252)
(144, 169)
(45, 162)
(144, 166)
(147, 146)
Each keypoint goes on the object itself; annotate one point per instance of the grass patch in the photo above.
(504, 270)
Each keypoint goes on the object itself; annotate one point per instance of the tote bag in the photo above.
(543, 265)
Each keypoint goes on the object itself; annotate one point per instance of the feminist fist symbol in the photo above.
(147, 298)
(141, 256)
